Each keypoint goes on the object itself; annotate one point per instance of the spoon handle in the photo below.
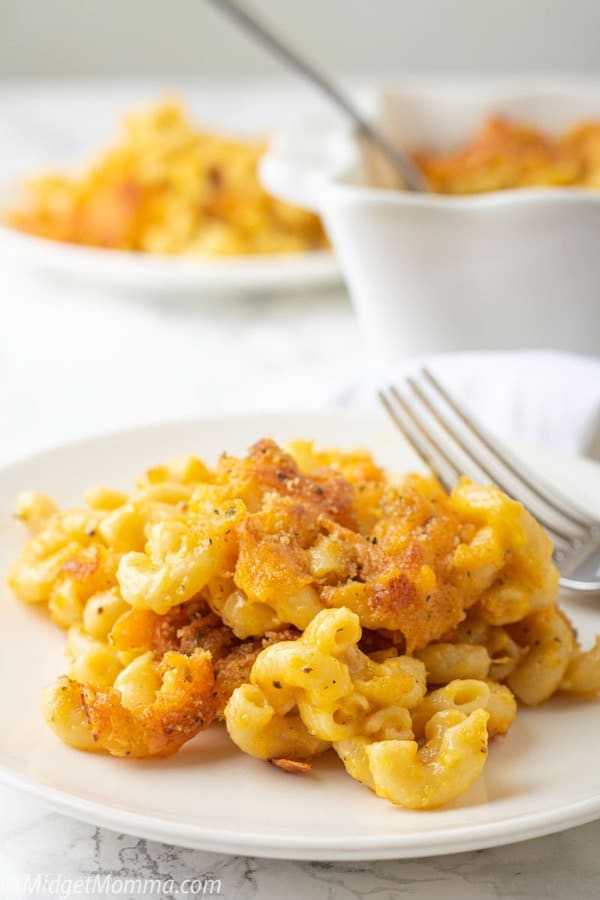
(408, 171)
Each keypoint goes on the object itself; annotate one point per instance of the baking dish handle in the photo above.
(297, 166)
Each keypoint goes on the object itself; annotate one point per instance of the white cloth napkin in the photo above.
(542, 398)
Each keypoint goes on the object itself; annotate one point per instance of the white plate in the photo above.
(152, 274)
(543, 777)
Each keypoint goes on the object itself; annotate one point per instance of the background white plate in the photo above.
(543, 777)
(151, 274)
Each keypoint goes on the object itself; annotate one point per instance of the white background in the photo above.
(137, 37)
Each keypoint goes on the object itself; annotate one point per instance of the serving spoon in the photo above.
(388, 165)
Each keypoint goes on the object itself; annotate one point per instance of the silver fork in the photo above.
(452, 443)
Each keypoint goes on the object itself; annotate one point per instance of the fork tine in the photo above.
(478, 470)
(404, 421)
(554, 501)
(403, 411)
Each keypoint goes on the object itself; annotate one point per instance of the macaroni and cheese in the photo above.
(507, 154)
(166, 187)
(312, 603)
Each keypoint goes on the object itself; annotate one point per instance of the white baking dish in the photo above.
(510, 269)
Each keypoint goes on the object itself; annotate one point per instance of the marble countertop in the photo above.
(73, 363)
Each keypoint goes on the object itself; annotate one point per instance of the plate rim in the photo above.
(462, 838)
